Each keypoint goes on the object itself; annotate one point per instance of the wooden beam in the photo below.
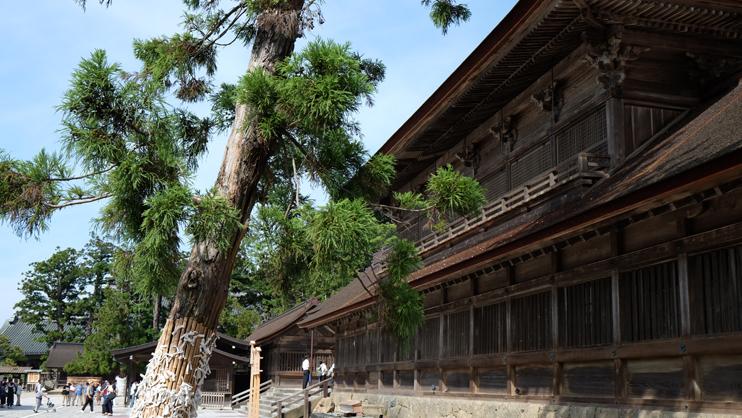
(682, 43)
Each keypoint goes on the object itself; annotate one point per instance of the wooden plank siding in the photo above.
(503, 347)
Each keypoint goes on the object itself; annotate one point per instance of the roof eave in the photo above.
(459, 79)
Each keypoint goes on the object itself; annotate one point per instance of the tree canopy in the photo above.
(291, 116)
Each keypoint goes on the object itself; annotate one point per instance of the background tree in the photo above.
(53, 293)
(96, 260)
(138, 153)
(123, 320)
(10, 355)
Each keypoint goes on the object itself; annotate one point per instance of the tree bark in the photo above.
(171, 386)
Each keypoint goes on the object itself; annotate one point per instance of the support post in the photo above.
(255, 381)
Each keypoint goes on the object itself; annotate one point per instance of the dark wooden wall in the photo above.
(647, 315)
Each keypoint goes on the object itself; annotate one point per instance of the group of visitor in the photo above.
(101, 394)
(322, 372)
(10, 393)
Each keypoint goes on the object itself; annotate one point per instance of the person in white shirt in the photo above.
(18, 390)
(39, 390)
(133, 393)
(307, 374)
(322, 371)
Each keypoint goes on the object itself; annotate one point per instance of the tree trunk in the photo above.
(171, 386)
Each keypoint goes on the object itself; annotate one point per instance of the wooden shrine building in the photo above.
(284, 346)
(606, 266)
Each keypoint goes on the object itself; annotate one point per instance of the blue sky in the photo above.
(44, 40)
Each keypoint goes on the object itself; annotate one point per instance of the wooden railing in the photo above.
(244, 396)
(290, 402)
(586, 166)
(215, 400)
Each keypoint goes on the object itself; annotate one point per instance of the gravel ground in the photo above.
(28, 402)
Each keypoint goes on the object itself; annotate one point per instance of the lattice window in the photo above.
(218, 381)
(456, 332)
(533, 163)
(495, 184)
(585, 314)
(289, 361)
(490, 329)
(580, 136)
(428, 340)
(649, 303)
(531, 322)
(715, 287)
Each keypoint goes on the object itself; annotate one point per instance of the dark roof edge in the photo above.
(302, 307)
(522, 10)
(133, 348)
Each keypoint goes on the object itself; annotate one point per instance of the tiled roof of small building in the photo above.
(24, 336)
(62, 354)
(274, 326)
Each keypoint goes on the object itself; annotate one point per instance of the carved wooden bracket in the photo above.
(610, 58)
(550, 99)
(470, 156)
(506, 131)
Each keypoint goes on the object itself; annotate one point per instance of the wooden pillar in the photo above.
(255, 381)
(615, 307)
(684, 295)
(554, 317)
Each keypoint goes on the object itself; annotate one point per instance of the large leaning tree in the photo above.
(136, 152)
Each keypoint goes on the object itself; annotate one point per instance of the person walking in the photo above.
(39, 392)
(307, 373)
(89, 394)
(3, 392)
(107, 395)
(66, 395)
(10, 393)
(133, 392)
(99, 390)
(18, 390)
(78, 394)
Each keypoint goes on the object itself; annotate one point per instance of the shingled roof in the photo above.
(275, 326)
(62, 354)
(24, 336)
(710, 143)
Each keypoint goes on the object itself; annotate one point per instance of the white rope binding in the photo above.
(154, 392)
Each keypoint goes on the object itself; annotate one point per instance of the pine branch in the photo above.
(82, 176)
(241, 8)
(80, 201)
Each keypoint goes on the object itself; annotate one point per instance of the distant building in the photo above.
(60, 355)
(284, 345)
(25, 336)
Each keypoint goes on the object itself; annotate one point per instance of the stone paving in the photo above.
(28, 402)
